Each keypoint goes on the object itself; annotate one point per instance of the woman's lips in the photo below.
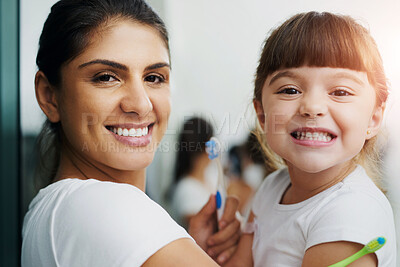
(132, 136)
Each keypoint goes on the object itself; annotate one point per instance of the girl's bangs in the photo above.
(321, 42)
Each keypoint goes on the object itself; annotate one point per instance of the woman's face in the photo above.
(114, 100)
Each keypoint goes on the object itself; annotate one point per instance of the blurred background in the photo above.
(215, 46)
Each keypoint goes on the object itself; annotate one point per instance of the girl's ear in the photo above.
(375, 121)
(46, 97)
(260, 112)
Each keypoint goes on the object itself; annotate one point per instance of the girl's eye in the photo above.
(289, 91)
(340, 92)
(154, 79)
(105, 78)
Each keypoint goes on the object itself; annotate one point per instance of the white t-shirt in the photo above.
(190, 195)
(353, 210)
(92, 223)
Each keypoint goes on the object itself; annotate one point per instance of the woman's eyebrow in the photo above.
(105, 62)
(286, 73)
(157, 66)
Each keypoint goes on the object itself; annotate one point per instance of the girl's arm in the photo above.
(243, 255)
(326, 254)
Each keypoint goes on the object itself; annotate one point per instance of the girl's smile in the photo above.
(313, 137)
(317, 118)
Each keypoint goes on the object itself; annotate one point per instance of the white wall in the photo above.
(215, 46)
(32, 17)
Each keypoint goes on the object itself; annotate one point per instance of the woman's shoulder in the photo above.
(106, 217)
(103, 200)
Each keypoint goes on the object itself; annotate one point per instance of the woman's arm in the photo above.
(326, 254)
(180, 253)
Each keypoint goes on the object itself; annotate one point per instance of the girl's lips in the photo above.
(313, 137)
(135, 141)
(313, 143)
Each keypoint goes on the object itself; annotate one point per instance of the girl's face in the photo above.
(114, 101)
(317, 118)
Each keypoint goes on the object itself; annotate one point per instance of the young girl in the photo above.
(103, 83)
(320, 93)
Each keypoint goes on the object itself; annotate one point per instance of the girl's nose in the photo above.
(136, 100)
(313, 106)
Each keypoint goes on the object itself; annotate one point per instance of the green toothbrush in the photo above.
(371, 247)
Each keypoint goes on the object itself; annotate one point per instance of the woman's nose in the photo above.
(136, 99)
(313, 105)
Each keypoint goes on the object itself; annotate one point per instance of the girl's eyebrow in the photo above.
(291, 74)
(287, 73)
(349, 76)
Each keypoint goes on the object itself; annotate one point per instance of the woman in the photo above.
(191, 189)
(103, 83)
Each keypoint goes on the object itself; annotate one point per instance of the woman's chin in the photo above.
(128, 161)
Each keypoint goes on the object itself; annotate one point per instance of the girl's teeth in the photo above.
(130, 132)
(314, 136)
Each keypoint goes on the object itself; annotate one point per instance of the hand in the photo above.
(220, 245)
(204, 223)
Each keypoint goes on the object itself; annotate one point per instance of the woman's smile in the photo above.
(115, 95)
(132, 135)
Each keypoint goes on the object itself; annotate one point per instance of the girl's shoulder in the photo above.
(275, 181)
(271, 189)
(360, 186)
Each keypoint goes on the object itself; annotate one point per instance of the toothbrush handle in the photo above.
(350, 259)
(221, 191)
(220, 199)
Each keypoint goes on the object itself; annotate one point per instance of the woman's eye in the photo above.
(340, 92)
(289, 91)
(154, 79)
(105, 78)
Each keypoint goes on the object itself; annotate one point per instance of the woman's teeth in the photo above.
(130, 132)
(313, 136)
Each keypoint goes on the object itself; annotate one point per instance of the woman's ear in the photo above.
(375, 121)
(46, 97)
(260, 112)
